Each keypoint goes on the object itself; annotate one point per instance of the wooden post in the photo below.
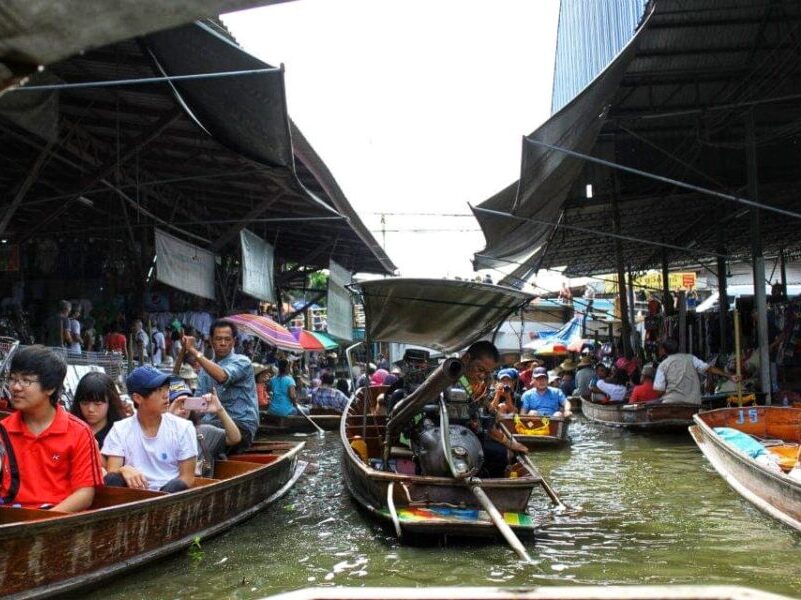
(621, 275)
(722, 293)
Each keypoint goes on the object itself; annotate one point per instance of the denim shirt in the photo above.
(237, 394)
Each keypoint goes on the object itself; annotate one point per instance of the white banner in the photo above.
(184, 266)
(257, 266)
(340, 305)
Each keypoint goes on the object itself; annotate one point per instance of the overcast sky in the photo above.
(417, 107)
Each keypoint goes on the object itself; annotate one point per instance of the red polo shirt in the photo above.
(52, 465)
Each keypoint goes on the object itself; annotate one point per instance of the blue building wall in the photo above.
(590, 34)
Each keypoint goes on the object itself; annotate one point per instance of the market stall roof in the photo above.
(201, 158)
(435, 313)
(41, 32)
(694, 73)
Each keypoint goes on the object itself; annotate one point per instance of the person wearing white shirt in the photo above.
(153, 449)
(677, 377)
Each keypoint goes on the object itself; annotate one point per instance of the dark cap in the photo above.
(539, 372)
(178, 388)
(144, 380)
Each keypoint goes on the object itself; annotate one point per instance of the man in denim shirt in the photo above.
(232, 376)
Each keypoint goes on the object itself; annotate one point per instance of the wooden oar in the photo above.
(526, 462)
(475, 486)
(320, 430)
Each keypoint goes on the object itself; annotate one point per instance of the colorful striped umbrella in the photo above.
(266, 329)
(313, 341)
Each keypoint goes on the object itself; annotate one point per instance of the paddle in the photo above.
(526, 462)
(320, 430)
(475, 487)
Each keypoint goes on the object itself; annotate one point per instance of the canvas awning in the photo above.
(436, 313)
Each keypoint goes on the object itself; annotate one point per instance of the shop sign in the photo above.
(651, 281)
(339, 302)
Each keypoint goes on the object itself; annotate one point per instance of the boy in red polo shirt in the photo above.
(49, 457)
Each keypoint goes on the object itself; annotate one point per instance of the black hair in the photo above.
(484, 349)
(620, 377)
(98, 386)
(327, 378)
(283, 366)
(669, 345)
(219, 324)
(342, 386)
(45, 364)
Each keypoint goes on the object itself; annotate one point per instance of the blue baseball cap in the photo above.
(510, 373)
(178, 388)
(143, 380)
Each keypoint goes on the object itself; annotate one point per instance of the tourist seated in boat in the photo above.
(231, 375)
(327, 397)
(601, 373)
(480, 360)
(212, 442)
(503, 399)
(645, 392)
(364, 378)
(262, 375)
(98, 404)
(614, 387)
(584, 375)
(567, 370)
(153, 449)
(527, 363)
(677, 375)
(283, 399)
(49, 457)
(543, 400)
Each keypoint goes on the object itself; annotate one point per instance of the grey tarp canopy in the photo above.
(547, 175)
(435, 313)
(41, 32)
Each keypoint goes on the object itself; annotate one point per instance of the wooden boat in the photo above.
(780, 430)
(382, 475)
(556, 434)
(641, 417)
(43, 553)
(326, 420)
(595, 592)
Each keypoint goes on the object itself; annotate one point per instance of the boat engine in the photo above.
(466, 451)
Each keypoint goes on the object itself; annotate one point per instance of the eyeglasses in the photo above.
(22, 381)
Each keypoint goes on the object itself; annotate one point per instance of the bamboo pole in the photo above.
(737, 352)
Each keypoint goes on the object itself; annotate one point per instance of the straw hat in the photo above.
(567, 365)
(187, 372)
(167, 363)
(526, 359)
(585, 361)
(259, 368)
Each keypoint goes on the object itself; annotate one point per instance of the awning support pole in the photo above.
(760, 298)
(667, 299)
(621, 273)
(723, 299)
(783, 272)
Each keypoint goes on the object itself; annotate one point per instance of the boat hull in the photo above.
(271, 425)
(772, 493)
(642, 417)
(556, 436)
(63, 553)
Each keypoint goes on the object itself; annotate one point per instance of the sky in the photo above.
(418, 107)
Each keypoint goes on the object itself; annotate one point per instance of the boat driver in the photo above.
(480, 360)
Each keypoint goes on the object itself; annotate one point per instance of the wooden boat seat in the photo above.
(112, 496)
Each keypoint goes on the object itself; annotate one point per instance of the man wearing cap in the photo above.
(231, 375)
(584, 376)
(153, 449)
(503, 400)
(543, 400)
(645, 392)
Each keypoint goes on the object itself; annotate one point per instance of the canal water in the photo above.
(645, 510)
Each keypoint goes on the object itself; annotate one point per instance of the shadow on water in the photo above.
(645, 509)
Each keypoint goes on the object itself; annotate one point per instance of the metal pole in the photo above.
(783, 274)
(667, 299)
(758, 260)
(723, 299)
(621, 275)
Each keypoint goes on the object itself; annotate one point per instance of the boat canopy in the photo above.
(442, 314)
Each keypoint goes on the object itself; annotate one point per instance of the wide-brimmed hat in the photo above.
(527, 358)
(585, 361)
(553, 375)
(259, 368)
(567, 365)
(167, 363)
(187, 372)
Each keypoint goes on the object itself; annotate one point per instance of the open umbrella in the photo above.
(306, 339)
(551, 349)
(267, 330)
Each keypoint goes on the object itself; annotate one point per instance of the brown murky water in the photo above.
(651, 511)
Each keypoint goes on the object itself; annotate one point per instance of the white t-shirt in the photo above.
(158, 347)
(141, 336)
(616, 392)
(75, 329)
(156, 458)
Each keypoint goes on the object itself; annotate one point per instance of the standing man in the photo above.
(677, 375)
(140, 342)
(74, 344)
(57, 330)
(159, 346)
(231, 375)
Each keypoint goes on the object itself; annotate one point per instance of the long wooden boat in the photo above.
(327, 421)
(642, 417)
(780, 429)
(531, 432)
(595, 592)
(43, 553)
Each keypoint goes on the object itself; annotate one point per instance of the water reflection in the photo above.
(644, 510)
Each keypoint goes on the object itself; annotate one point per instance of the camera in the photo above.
(507, 389)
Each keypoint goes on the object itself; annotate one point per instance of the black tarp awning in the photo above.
(546, 175)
